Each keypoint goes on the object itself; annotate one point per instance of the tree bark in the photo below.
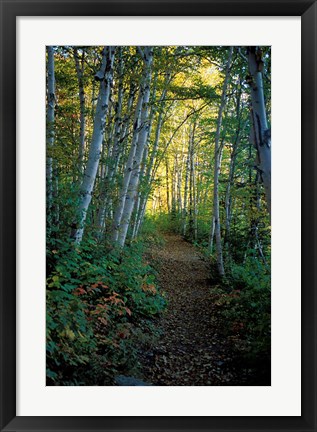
(187, 173)
(79, 63)
(262, 132)
(115, 151)
(233, 157)
(216, 213)
(104, 75)
(149, 169)
(128, 169)
(147, 54)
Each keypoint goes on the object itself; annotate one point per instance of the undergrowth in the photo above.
(244, 306)
(99, 304)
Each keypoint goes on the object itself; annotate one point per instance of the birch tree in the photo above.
(187, 166)
(262, 133)
(79, 64)
(115, 149)
(147, 56)
(217, 158)
(128, 169)
(232, 166)
(104, 76)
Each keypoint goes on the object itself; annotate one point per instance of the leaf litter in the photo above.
(190, 349)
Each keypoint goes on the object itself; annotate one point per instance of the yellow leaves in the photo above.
(211, 76)
(68, 333)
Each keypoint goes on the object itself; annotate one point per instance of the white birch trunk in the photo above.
(142, 142)
(186, 193)
(216, 213)
(195, 209)
(128, 170)
(80, 79)
(105, 77)
(149, 170)
(261, 131)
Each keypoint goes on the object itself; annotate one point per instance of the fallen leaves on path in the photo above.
(189, 350)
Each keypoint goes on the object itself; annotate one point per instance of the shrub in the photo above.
(95, 299)
(246, 310)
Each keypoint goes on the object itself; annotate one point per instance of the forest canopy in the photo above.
(144, 141)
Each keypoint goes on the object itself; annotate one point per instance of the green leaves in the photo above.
(95, 300)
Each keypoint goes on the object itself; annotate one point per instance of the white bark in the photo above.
(233, 157)
(149, 170)
(186, 193)
(191, 222)
(128, 170)
(216, 213)
(80, 77)
(131, 195)
(261, 131)
(105, 77)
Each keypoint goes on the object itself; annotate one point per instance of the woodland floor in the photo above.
(189, 350)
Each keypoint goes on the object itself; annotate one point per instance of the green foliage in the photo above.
(156, 224)
(95, 301)
(245, 306)
(100, 300)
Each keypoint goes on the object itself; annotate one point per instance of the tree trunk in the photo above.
(115, 150)
(195, 209)
(80, 78)
(186, 192)
(50, 119)
(104, 75)
(191, 222)
(233, 157)
(216, 214)
(129, 166)
(147, 54)
(149, 169)
(262, 133)
(167, 187)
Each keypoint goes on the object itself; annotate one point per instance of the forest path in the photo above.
(189, 350)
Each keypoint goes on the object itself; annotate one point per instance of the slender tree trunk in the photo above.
(149, 169)
(211, 235)
(195, 209)
(179, 190)
(141, 197)
(174, 188)
(216, 214)
(193, 224)
(228, 193)
(233, 157)
(104, 75)
(261, 131)
(129, 166)
(79, 63)
(191, 183)
(115, 150)
(167, 187)
(187, 173)
(147, 54)
(50, 123)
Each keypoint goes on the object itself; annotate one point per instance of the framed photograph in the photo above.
(152, 276)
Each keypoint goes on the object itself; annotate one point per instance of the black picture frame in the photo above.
(9, 11)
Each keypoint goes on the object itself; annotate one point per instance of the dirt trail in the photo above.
(189, 350)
